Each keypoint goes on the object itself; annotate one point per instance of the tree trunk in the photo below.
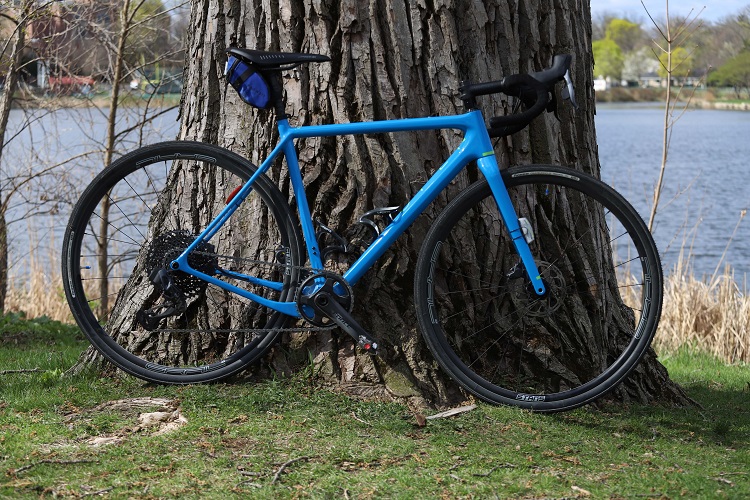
(6, 101)
(390, 59)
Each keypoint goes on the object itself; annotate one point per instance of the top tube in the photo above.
(464, 122)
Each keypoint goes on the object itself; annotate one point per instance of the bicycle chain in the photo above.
(286, 269)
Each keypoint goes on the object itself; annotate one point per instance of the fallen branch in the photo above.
(137, 404)
(284, 466)
(451, 412)
(25, 370)
(504, 466)
(98, 492)
(249, 482)
(49, 461)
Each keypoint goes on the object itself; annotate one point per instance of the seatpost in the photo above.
(277, 93)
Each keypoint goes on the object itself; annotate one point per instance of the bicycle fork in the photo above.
(489, 168)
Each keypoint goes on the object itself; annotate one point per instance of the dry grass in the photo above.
(710, 314)
(39, 293)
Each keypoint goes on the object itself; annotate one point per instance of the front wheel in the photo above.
(138, 215)
(485, 324)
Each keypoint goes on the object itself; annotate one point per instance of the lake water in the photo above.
(71, 141)
(705, 187)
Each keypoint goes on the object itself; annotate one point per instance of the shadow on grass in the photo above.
(723, 419)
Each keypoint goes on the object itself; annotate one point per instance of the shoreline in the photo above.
(701, 99)
(128, 99)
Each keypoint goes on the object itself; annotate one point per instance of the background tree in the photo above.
(12, 53)
(638, 63)
(390, 59)
(681, 64)
(674, 59)
(734, 73)
(608, 59)
(711, 43)
(72, 40)
(626, 34)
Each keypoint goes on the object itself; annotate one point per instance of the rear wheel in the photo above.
(137, 216)
(490, 331)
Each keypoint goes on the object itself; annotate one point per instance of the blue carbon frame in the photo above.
(476, 146)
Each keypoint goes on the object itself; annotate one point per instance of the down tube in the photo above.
(432, 188)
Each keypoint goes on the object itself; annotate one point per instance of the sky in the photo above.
(715, 9)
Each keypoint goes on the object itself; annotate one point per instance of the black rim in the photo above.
(124, 176)
(497, 348)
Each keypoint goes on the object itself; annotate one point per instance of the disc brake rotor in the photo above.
(546, 305)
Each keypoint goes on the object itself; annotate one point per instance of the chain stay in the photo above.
(287, 270)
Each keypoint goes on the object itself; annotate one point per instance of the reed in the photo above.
(708, 314)
(39, 292)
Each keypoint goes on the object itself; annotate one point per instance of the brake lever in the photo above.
(569, 92)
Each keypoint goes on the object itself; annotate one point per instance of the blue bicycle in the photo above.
(537, 286)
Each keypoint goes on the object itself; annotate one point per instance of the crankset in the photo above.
(327, 298)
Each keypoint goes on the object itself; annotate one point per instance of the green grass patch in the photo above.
(286, 438)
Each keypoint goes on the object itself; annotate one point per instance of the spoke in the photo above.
(136, 192)
(117, 229)
(126, 215)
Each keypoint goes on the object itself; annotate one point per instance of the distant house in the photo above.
(650, 80)
(66, 44)
(653, 79)
(64, 49)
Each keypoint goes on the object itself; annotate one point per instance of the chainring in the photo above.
(336, 285)
(166, 247)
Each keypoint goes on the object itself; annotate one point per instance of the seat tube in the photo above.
(489, 168)
(295, 175)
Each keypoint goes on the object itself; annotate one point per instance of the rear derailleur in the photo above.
(176, 287)
(174, 301)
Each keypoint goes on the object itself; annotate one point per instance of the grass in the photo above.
(101, 100)
(289, 439)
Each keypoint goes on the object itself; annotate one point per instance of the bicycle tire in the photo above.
(486, 327)
(138, 214)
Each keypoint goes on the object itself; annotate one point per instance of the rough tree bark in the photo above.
(391, 59)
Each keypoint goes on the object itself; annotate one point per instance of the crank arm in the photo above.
(336, 313)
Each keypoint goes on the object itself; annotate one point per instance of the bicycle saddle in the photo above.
(275, 60)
